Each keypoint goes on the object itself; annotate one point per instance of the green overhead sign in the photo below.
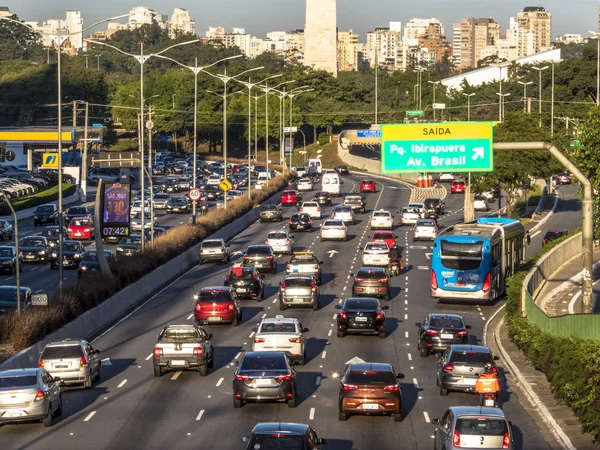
(437, 147)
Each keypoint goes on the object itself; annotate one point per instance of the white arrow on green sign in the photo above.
(437, 147)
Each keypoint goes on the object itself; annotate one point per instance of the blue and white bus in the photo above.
(471, 261)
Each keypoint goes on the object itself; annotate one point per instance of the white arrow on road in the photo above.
(428, 255)
(331, 253)
(478, 153)
(106, 362)
(355, 360)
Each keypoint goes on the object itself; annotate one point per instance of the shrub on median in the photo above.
(36, 323)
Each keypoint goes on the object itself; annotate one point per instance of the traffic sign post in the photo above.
(194, 195)
(225, 185)
(434, 148)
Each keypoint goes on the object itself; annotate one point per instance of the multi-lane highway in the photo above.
(130, 408)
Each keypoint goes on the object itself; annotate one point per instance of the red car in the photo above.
(385, 236)
(81, 228)
(367, 186)
(458, 187)
(217, 305)
(290, 198)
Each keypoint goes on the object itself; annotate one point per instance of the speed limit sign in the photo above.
(194, 194)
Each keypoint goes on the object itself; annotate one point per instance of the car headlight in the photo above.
(6, 262)
(35, 217)
(83, 267)
(76, 256)
(54, 255)
(119, 249)
(42, 252)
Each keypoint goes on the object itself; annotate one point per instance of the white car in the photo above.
(136, 222)
(233, 195)
(304, 184)
(344, 213)
(489, 196)
(213, 180)
(376, 254)
(419, 206)
(280, 241)
(425, 229)
(409, 216)
(334, 229)
(136, 208)
(281, 334)
(301, 171)
(382, 220)
(446, 178)
(480, 204)
(312, 209)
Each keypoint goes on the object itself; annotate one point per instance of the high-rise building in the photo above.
(347, 50)
(5, 12)
(536, 18)
(142, 15)
(181, 23)
(415, 28)
(72, 25)
(320, 33)
(384, 45)
(435, 43)
(475, 35)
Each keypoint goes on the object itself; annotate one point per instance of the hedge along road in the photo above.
(130, 408)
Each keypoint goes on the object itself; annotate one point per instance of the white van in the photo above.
(331, 183)
(316, 162)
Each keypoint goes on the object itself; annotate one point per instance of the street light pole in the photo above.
(596, 35)
(98, 60)
(18, 259)
(434, 83)
(525, 93)
(469, 105)
(540, 70)
(501, 105)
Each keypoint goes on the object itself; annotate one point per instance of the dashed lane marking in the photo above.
(252, 334)
(275, 300)
(324, 354)
(311, 416)
(190, 316)
(405, 316)
(200, 414)
(122, 383)
(176, 375)
(330, 333)
(264, 315)
(334, 316)
(238, 355)
(406, 334)
(149, 356)
(220, 381)
(416, 383)
(409, 357)
(426, 417)
(89, 416)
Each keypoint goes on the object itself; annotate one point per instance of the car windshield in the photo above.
(477, 426)
(269, 208)
(432, 202)
(215, 296)
(425, 223)
(259, 250)
(212, 244)
(353, 198)
(4, 252)
(333, 223)
(278, 441)
(371, 377)
(382, 236)
(469, 358)
(263, 362)
(136, 240)
(342, 209)
(461, 255)
(77, 210)
(93, 256)
(298, 282)
(364, 304)
(381, 214)
(445, 322)
(22, 381)
(410, 211)
(278, 327)
(45, 209)
(310, 205)
(302, 217)
(70, 247)
(80, 223)
(32, 242)
(180, 333)
(247, 274)
(377, 246)
(277, 235)
(61, 352)
(49, 232)
(304, 259)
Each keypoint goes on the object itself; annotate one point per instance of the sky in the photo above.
(261, 16)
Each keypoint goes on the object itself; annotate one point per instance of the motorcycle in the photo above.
(490, 400)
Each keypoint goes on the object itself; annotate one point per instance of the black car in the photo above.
(434, 207)
(300, 221)
(361, 316)
(282, 436)
(45, 214)
(72, 253)
(8, 298)
(261, 257)
(342, 170)
(437, 332)
(178, 205)
(460, 365)
(270, 213)
(263, 376)
(52, 234)
(35, 249)
(7, 232)
(553, 235)
(76, 211)
(89, 263)
(129, 245)
(246, 281)
(8, 259)
(322, 198)
(371, 282)
(170, 185)
(213, 193)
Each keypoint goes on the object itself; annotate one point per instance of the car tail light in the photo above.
(431, 333)
(198, 352)
(494, 370)
(40, 396)
(312, 286)
(247, 258)
(41, 363)
(334, 214)
(269, 258)
(358, 280)
(283, 377)
(449, 367)
(283, 286)
(287, 241)
(383, 280)
(342, 229)
(415, 229)
(393, 388)
(222, 249)
(462, 334)
(456, 439)
(343, 315)
(229, 276)
(350, 387)
(83, 361)
(242, 378)
(291, 223)
(201, 250)
(254, 276)
(288, 267)
(266, 241)
(86, 230)
(296, 340)
(301, 209)
(231, 307)
(198, 307)
(435, 230)
(506, 440)
(379, 316)
(158, 352)
(318, 209)
(259, 340)
(433, 281)
(487, 283)
(309, 222)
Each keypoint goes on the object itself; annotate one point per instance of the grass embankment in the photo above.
(20, 332)
(524, 208)
(39, 198)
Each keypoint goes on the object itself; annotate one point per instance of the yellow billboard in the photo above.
(50, 160)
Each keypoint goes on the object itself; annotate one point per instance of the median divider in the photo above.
(93, 321)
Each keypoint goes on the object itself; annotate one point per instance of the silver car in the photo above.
(74, 361)
(472, 427)
(281, 334)
(214, 250)
(334, 229)
(344, 213)
(160, 201)
(29, 394)
(409, 216)
(280, 241)
(299, 291)
(425, 229)
(136, 222)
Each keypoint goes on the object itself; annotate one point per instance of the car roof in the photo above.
(215, 288)
(280, 320)
(64, 343)
(28, 371)
(281, 427)
(477, 411)
(291, 276)
(379, 367)
(191, 327)
(470, 348)
(212, 240)
(443, 316)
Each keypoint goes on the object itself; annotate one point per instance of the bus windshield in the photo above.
(461, 255)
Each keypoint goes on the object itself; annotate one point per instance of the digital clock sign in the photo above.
(116, 201)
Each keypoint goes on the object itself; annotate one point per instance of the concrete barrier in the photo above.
(108, 312)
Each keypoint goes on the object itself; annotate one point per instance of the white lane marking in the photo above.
(149, 356)
(428, 255)
(405, 316)
(330, 333)
(264, 315)
(252, 335)
(406, 334)
(334, 316)
(311, 416)
(200, 414)
(176, 375)
(409, 357)
(344, 288)
(482, 318)
(426, 417)
(238, 355)
(423, 267)
(89, 416)
(122, 383)
(318, 382)
(220, 381)
(324, 354)
(416, 383)
(190, 316)
(406, 290)
(406, 302)
(275, 300)
(536, 233)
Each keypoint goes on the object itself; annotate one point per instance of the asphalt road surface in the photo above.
(130, 408)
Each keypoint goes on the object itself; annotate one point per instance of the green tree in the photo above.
(17, 41)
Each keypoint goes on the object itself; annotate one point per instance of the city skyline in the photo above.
(271, 15)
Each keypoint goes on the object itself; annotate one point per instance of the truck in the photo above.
(183, 347)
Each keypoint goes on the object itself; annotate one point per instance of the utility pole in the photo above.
(83, 182)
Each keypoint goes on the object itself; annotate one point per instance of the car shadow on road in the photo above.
(314, 347)
(326, 300)
(224, 355)
(518, 437)
(306, 385)
(391, 325)
(336, 444)
(410, 395)
(250, 312)
(116, 367)
(395, 291)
